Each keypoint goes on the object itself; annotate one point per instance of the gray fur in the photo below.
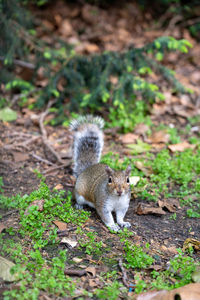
(88, 119)
(88, 142)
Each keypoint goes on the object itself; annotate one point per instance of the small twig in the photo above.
(62, 233)
(124, 275)
(75, 272)
(190, 22)
(23, 144)
(20, 63)
(69, 184)
(15, 98)
(44, 133)
(16, 147)
(172, 23)
(56, 168)
(42, 159)
(104, 227)
(18, 134)
(33, 139)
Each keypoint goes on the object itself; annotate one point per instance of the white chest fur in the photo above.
(115, 203)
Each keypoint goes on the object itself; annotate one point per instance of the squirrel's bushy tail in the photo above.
(88, 142)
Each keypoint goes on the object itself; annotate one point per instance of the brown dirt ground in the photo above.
(16, 168)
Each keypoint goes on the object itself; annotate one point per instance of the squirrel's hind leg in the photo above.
(80, 201)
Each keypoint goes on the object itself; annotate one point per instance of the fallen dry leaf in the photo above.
(59, 187)
(156, 267)
(128, 138)
(196, 274)
(185, 100)
(147, 170)
(188, 292)
(5, 266)
(134, 180)
(190, 242)
(182, 111)
(151, 295)
(90, 13)
(18, 156)
(170, 204)
(66, 28)
(61, 225)
(159, 109)
(39, 203)
(172, 250)
(86, 47)
(77, 260)
(159, 137)
(91, 270)
(145, 209)
(2, 227)
(92, 282)
(181, 146)
(141, 129)
(69, 242)
(158, 147)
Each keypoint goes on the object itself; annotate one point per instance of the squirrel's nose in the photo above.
(119, 193)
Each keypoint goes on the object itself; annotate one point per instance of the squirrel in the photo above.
(97, 185)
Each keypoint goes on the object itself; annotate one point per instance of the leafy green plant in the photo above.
(35, 276)
(1, 185)
(89, 78)
(173, 216)
(35, 220)
(120, 116)
(179, 273)
(174, 137)
(191, 213)
(141, 284)
(90, 244)
(136, 257)
(110, 291)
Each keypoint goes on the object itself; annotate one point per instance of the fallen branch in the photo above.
(20, 63)
(15, 98)
(23, 144)
(56, 168)
(42, 159)
(62, 233)
(124, 275)
(75, 272)
(44, 133)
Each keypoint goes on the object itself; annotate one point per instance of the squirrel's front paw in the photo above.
(78, 206)
(114, 227)
(125, 224)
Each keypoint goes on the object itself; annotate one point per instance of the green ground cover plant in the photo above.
(33, 268)
(178, 273)
(35, 273)
(136, 257)
(39, 209)
(89, 243)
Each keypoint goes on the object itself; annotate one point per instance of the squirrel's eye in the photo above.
(109, 180)
(127, 180)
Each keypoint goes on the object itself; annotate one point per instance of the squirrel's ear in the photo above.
(128, 170)
(109, 171)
